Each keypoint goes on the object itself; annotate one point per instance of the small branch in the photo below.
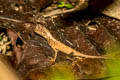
(10, 19)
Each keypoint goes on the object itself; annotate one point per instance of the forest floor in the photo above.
(34, 37)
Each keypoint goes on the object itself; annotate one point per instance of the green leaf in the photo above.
(113, 64)
(1, 38)
(113, 69)
(69, 6)
(61, 71)
(61, 4)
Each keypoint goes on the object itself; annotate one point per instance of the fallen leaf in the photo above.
(113, 10)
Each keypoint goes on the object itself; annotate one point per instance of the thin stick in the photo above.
(10, 19)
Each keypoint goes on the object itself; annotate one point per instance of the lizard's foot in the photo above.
(55, 55)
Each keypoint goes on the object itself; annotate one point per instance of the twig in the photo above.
(10, 19)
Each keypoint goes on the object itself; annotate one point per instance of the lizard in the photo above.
(59, 46)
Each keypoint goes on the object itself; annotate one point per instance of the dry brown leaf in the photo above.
(113, 10)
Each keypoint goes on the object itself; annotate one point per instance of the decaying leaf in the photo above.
(113, 10)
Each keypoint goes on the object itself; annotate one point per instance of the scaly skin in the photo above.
(57, 45)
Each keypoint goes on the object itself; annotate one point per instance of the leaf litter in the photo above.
(36, 53)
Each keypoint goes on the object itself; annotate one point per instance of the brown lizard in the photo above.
(58, 46)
